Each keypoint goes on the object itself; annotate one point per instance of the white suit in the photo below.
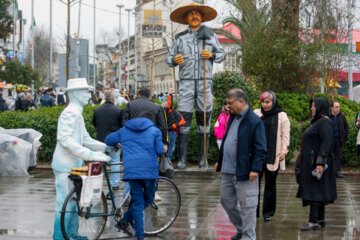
(74, 145)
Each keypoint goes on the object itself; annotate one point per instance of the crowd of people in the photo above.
(255, 143)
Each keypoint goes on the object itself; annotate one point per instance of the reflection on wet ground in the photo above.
(27, 211)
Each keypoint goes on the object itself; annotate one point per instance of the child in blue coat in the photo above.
(141, 142)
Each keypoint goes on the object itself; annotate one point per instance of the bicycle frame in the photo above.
(106, 173)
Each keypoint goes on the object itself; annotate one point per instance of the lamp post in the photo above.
(94, 69)
(128, 49)
(120, 48)
(136, 70)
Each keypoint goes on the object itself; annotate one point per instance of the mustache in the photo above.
(195, 19)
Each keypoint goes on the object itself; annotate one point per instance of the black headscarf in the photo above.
(271, 119)
(322, 108)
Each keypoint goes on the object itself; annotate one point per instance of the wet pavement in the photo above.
(27, 211)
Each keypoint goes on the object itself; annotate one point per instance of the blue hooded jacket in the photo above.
(141, 142)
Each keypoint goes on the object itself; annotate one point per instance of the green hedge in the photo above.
(44, 120)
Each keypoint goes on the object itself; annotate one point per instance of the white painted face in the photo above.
(80, 96)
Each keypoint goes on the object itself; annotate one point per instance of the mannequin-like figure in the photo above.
(74, 145)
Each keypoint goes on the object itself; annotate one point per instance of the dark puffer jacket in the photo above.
(143, 104)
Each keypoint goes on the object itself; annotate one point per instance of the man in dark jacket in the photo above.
(142, 104)
(47, 100)
(107, 119)
(142, 144)
(3, 105)
(242, 153)
(340, 133)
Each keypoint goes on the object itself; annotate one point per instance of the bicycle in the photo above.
(90, 222)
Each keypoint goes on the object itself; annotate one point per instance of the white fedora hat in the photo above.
(78, 83)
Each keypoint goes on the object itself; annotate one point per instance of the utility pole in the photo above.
(128, 49)
(120, 46)
(32, 34)
(94, 70)
(78, 44)
(51, 60)
(14, 29)
(152, 62)
(68, 43)
(350, 5)
(23, 29)
(136, 69)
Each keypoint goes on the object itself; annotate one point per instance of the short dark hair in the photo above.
(332, 103)
(144, 92)
(238, 94)
(50, 89)
(147, 115)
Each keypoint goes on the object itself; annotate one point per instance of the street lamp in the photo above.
(128, 48)
(120, 48)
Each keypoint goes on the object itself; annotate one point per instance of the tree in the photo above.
(6, 20)
(16, 73)
(41, 52)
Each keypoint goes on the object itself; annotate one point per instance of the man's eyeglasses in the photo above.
(229, 103)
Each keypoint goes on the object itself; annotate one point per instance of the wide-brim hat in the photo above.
(78, 83)
(179, 14)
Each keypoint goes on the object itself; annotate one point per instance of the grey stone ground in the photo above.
(27, 210)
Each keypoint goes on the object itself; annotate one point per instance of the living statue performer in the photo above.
(74, 145)
(195, 60)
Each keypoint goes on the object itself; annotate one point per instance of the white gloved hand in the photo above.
(99, 156)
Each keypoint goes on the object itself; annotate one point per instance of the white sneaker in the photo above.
(157, 197)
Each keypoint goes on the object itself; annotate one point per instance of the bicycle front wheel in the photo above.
(161, 214)
(82, 222)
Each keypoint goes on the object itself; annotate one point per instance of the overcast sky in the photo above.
(107, 17)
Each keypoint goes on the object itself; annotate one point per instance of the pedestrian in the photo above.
(241, 157)
(143, 103)
(74, 145)
(277, 129)
(174, 121)
(61, 99)
(47, 100)
(107, 119)
(19, 101)
(221, 124)
(189, 52)
(141, 142)
(340, 133)
(357, 124)
(316, 174)
(3, 105)
(27, 103)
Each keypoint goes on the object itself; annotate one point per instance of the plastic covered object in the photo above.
(14, 156)
(31, 136)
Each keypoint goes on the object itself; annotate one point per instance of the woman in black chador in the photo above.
(316, 175)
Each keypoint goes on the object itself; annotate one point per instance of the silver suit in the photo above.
(191, 75)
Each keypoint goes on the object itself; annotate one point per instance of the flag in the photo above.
(15, 14)
(32, 26)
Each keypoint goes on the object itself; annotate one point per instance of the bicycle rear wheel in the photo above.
(81, 222)
(160, 215)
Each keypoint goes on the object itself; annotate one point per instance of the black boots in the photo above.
(201, 159)
(183, 145)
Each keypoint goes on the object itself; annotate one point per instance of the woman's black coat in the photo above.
(317, 149)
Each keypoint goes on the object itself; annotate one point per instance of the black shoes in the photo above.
(322, 223)
(237, 236)
(124, 226)
(267, 219)
(115, 188)
(315, 226)
(339, 175)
